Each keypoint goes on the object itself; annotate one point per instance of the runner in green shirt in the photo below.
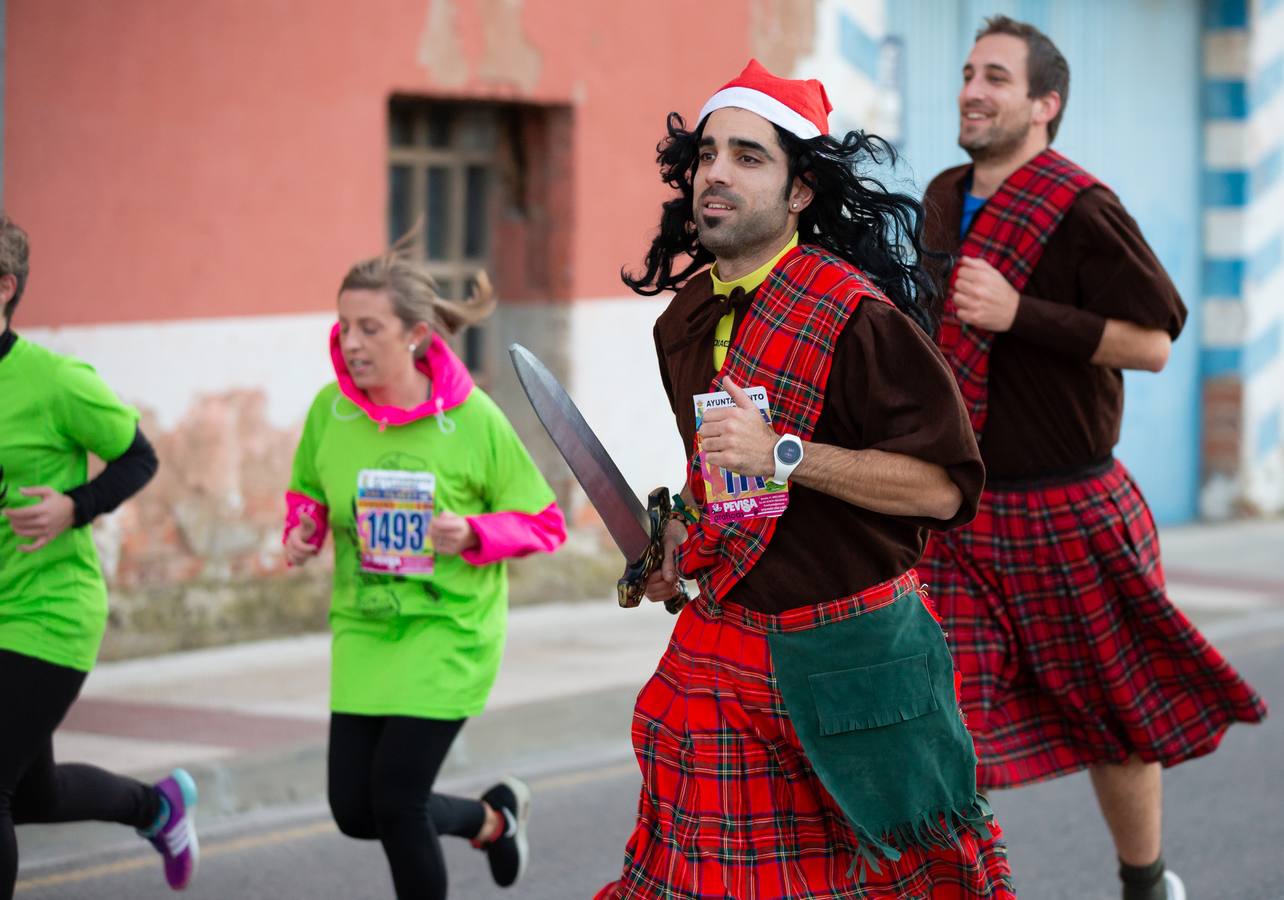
(427, 490)
(53, 601)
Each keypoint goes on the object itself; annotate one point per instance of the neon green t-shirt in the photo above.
(53, 602)
(416, 645)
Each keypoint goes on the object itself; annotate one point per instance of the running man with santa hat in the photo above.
(801, 736)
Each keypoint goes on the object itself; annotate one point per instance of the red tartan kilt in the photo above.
(1053, 602)
(730, 806)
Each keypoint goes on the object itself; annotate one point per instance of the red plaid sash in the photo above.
(786, 344)
(1009, 233)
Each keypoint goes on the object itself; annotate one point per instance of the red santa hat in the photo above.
(800, 107)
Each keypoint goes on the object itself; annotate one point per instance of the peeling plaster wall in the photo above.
(509, 54)
(196, 187)
(781, 32)
(440, 52)
(195, 559)
(230, 158)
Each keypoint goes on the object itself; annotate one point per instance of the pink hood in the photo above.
(451, 383)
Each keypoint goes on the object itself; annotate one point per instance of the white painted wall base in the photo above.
(165, 367)
(616, 383)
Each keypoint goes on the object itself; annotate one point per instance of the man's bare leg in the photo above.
(1131, 801)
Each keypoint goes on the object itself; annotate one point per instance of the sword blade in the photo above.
(623, 514)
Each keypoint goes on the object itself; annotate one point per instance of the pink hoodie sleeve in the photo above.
(508, 535)
(296, 503)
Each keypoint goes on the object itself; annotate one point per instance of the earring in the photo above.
(793, 205)
(412, 348)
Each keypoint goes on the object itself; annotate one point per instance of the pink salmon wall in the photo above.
(228, 157)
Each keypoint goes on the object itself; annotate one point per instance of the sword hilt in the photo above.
(632, 587)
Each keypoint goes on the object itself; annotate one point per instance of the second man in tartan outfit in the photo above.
(1053, 598)
(801, 736)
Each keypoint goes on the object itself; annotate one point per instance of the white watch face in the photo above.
(789, 452)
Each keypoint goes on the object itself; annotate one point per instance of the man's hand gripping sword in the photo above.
(638, 532)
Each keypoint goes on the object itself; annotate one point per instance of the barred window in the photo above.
(443, 164)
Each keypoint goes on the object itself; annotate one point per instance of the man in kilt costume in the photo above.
(801, 737)
(1053, 598)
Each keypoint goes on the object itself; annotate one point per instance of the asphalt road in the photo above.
(1224, 833)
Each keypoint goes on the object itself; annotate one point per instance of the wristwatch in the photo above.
(788, 453)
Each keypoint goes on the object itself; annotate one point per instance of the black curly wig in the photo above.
(852, 215)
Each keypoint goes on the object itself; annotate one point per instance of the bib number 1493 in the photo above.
(394, 511)
(396, 529)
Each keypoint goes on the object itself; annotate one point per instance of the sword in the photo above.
(638, 532)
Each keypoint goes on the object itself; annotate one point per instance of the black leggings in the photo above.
(34, 697)
(382, 770)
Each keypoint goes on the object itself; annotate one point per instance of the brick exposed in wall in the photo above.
(1222, 436)
(195, 559)
(215, 503)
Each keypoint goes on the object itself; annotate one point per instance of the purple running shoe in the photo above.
(176, 837)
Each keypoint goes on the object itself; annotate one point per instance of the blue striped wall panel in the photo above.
(1225, 99)
(1246, 361)
(1225, 187)
(1225, 14)
(1223, 277)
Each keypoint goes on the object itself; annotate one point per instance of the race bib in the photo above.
(394, 510)
(730, 496)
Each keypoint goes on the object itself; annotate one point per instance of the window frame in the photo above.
(454, 270)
